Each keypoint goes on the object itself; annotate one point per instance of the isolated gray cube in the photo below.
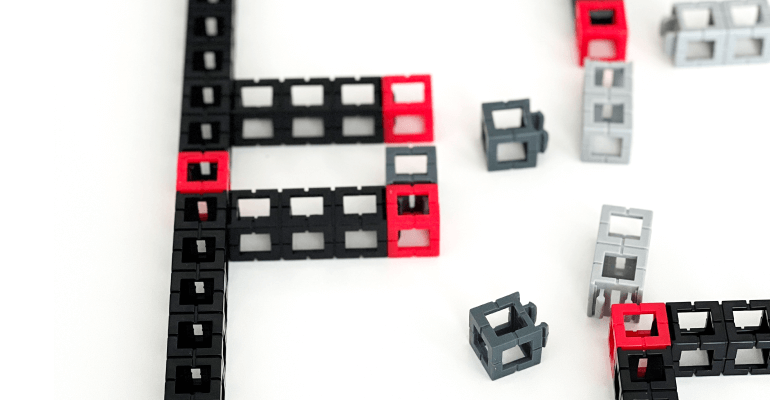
(530, 134)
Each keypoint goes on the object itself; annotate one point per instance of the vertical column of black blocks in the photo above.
(342, 111)
(748, 337)
(645, 375)
(270, 225)
(712, 338)
(292, 224)
(374, 222)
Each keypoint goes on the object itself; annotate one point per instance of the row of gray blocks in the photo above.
(724, 40)
(489, 343)
(620, 262)
(607, 112)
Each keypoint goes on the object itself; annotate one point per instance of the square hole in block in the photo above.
(640, 325)
(602, 17)
(196, 335)
(700, 50)
(507, 119)
(513, 354)
(257, 96)
(511, 151)
(411, 165)
(254, 208)
(357, 126)
(413, 92)
(258, 128)
(359, 204)
(750, 357)
(748, 47)
(693, 321)
(198, 250)
(748, 320)
(626, 227)
(413, 205)
(192, 380)
(361, 239)
(204, 96)
(618, 267)
(694, 358)
(745, 14)
(307, 95)
(307, 241)
(647, 369)
(499, 317)
(195, 292)
(414, 238)
(609, 77)
(606, 146)
(307, 206)
(601, 49)
(303, 127)
(697, 18)
(256, 242)
(612, 113)
(408, 125)
(357, 94)
(201, 172)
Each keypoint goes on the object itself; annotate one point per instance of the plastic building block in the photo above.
(601, 20)
(266, 228)
(357, 120)
(199, 250)
(207, 97)
(198, 292)
(620, 262)
(200, 211)
(360, 224)
(490, 343)
(711, 338)
(657, 338)
(207, 172)
(640, 374)
(394, 178)
(195, 378)
(414, 221)
(196, 336)
(607, 112)
(205, 133)
(720, 40)
(409, 120)
(527, 133)
(747, 337)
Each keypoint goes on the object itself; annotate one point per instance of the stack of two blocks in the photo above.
(607, 111)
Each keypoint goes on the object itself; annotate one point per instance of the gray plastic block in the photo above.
(622, 82)
(530, 134)
(489, 342)
(619, 124)
(758, 33)
(613, 282)
(392, 178)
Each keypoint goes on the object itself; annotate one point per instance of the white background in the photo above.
(91, 115)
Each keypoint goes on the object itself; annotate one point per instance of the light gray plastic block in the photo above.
(678, 37)
(610, 283)
(622, 82)
(392, 178)
(490, 342)
(530, 134)
(759, 33)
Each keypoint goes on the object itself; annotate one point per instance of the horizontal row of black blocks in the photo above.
(645, 375)
(281, 112)
(720, 337)
(281, 225)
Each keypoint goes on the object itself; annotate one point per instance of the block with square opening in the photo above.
(698, 338)
(620, 259)
(643, 374)
(607, 112)
(205, 172)
(413, 220)
(513, 344)
(407, 109)
(654, 336)
(410, 165)
(748, 335)
(360, 222)
(601, 30)
(512, 135)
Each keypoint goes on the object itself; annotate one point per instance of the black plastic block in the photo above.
(640, 374)
(274, 251)
(194, 379)
(375, 218)
(208, 61)
(371, 111)
(325, 219)
(196, 335)
(205, 133)
(195, 100)
(189, 209)
(712, 337)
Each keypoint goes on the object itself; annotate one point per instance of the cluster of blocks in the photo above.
(718, 33)
(620, 261)
(647, 361)
(607, 112)
(523, 137)
(491, 344)
(600, 21)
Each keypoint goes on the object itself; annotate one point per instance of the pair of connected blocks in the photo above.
(607, 112)
(722, 36)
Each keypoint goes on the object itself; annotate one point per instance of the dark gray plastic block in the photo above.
(530, 134)
(489, 342)
(392, 178)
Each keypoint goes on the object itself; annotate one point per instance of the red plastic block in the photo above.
(418, 213)
(392, 110)
(620, 338)
(187, 160)
(601, 20)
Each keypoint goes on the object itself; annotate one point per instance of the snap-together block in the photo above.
(392, 177)
(607, 112)
(601, 20)
(527, 134)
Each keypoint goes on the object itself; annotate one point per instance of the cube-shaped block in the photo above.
(639, 374)
(656, 338)
(711, 337)
(428, 175)
(207, 172)
(523, 135)
(414, 221)
(407, 119)
(490, 343)
(601, 20)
